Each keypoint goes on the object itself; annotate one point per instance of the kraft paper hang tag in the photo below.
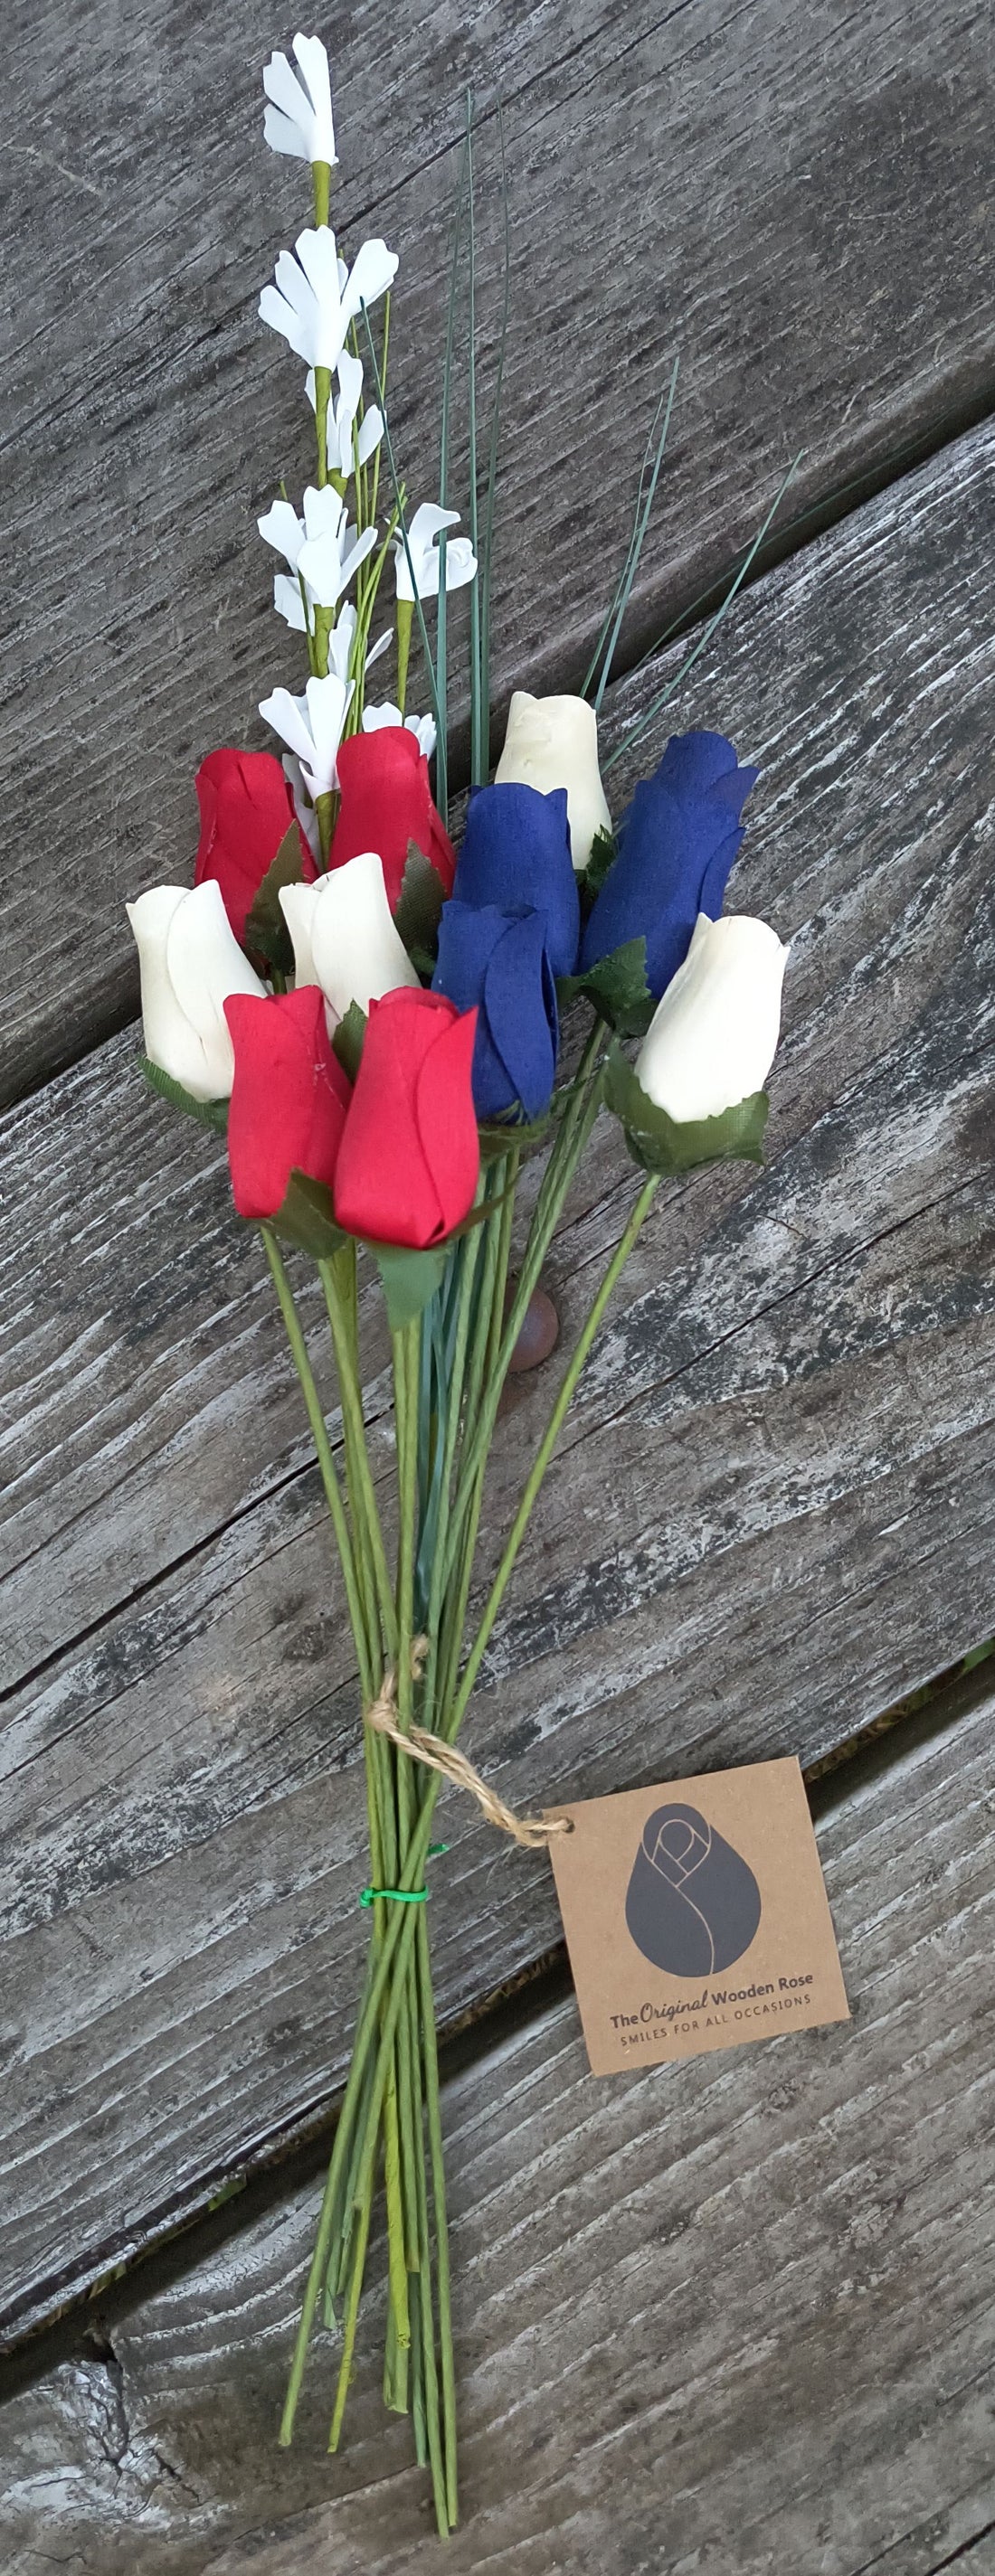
(696, 1916)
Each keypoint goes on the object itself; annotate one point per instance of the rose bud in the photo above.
(246, 806)
(190, 962)
(553, 742)
(410, 1156)
(344, 937)
(499, 962)
(676, 845)
(516, 854)
(386, 803)
(713, 1038)
(289, 1098)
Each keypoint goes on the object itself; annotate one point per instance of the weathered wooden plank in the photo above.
(737, 2316)
(788, 1524)
(797, 202)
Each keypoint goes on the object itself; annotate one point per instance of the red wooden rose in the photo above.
(245, 809)
(410, 1155)
(386, 802)
(289, 1097)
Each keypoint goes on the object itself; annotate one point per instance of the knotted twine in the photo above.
(433, 1750)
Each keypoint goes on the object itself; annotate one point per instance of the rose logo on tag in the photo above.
(692, 1905)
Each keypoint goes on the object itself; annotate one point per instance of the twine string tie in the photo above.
(531, 1832)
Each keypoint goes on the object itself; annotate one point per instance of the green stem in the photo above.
(545, 1450)
(339, 1288)
(405, 610)
(324, 807)
(339, 1281)
(352, 2311)
(326, 1462)
(479, 712)
(569, 1145)
(469, 1258)
(437, 2161)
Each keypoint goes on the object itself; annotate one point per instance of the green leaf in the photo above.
(307, 1217)
(663, 1144)
(409, 1279)
(208, 1113)
(348, 1039)
(418, 908)
(266, 932)
(604, 852)
(617, 987)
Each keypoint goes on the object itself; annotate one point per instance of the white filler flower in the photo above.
(311, 727)
(299, 118)
(190, 962)
(422, 546)
(345, 453)
(332, 551)
(316, 296)
(322, 550)
(713, 1037)
(423, 727)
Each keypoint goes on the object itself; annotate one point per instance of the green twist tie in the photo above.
(404, 1895)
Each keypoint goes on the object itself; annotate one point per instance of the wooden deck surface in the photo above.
(737, 2318)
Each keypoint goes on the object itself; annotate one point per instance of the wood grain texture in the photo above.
(771, 1514)
(736, 2317)
(798, 202)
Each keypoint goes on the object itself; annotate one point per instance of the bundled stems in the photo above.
(448, 1369)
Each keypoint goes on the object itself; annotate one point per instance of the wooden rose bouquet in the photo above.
(372, 1019)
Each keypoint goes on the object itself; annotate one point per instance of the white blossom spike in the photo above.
(298, 118)
(311, 727)
(423, 533)
(334, 552)
(315, 297)
(423, 727)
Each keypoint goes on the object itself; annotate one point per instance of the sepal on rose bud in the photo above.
(306, 1217)
(662, 1144)
(617, 987)
(695, 1094)
(266, 931)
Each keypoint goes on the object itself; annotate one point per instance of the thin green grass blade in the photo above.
(636, 548)
(872, 479)
(648, 454)
(651, 712)
(478, 712)
(441, 638)
(486, 559)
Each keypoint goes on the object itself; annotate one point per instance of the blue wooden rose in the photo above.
(516, 855)
(499, 964)
(676, 845)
